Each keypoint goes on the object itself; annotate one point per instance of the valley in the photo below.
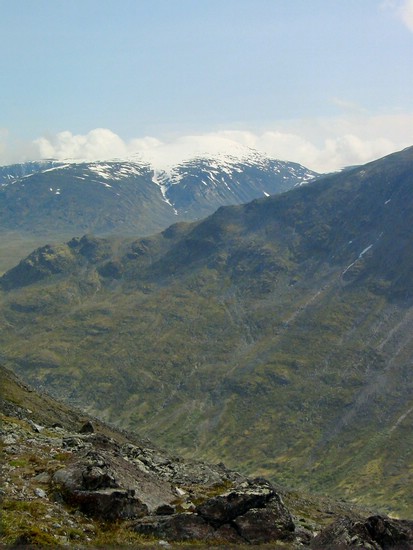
(273, 335)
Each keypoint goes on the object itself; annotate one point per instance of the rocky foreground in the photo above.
(75, 482)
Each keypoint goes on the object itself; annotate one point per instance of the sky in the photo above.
(327, 83)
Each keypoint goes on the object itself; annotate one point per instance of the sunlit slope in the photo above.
(276, 336)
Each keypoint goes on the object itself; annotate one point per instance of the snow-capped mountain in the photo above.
(132, 196)
(13, 172)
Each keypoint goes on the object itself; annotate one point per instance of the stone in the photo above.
(10, 439)
(229, 534)
(261, 525)
(87, 428)
(95, 477)
(42, 477)
(40, 493)
(226, 507)
(373, 533)
(109, 504)
(36, 427)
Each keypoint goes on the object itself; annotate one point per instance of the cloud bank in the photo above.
(323, 144)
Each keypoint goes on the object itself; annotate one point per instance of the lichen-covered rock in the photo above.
(373, 533)
(105, 485)
(251, 512)
(231, 504)
(176, 470)
(271, 523)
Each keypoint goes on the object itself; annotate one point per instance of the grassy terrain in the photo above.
(34, 427)
(275, 336)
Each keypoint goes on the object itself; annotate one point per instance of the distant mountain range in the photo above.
(132, 197)
(275, 335)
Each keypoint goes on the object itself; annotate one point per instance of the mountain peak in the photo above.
(135, 196)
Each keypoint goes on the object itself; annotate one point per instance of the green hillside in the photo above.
(275, 336)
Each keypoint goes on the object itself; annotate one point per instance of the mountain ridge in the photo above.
(54, 201)
(235, 179)
(277, 332)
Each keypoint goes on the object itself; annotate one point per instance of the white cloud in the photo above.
(406, 13)
(323, 144)
(403, 9)
(97, 144)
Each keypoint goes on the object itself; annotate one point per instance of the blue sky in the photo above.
(322, 82)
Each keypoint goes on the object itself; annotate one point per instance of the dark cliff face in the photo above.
(274, 335)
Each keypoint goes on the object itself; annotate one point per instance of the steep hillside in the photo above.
(275, 335)
(70, 480)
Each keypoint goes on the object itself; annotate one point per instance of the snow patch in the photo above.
(61, 166)
(160, 179)
(357, 259)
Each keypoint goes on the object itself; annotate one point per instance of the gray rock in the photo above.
(36, 427)
(87, 428)
(261, 525)
(9, 439)
(43, 477)
(226, 507)
(373, 533)
(102, 480)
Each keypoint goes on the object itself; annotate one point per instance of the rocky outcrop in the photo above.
(104, 483)
(174, 500)
(74, 481)
(251, 512)
(373, 533)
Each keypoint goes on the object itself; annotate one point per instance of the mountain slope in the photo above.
(276, 335)
(76, 198)
(14, 172)
(126, 197)
(73, 480)
(51, 201)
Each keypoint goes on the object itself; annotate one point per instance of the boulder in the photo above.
(271, 523)
(109, 504)
(224, 508)
(373, 533)
(105, 485)
(252, 512)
